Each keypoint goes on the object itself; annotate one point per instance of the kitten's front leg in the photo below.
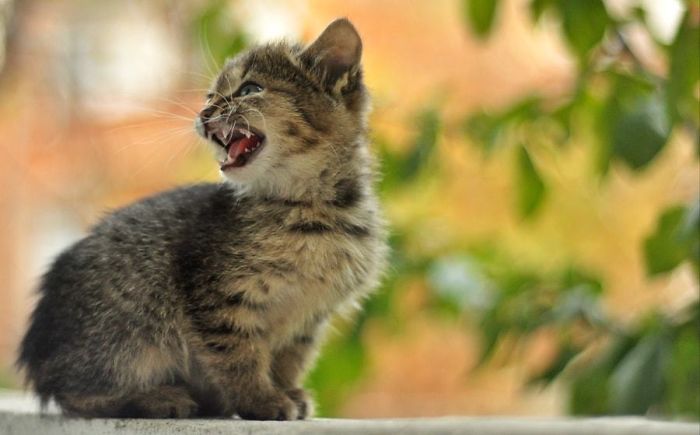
(242, 359)
(291, 362)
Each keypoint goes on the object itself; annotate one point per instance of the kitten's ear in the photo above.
(335, 52)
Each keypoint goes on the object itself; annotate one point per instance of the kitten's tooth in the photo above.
(228, 133)
(221, 135)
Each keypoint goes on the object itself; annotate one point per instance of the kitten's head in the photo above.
(280, 116)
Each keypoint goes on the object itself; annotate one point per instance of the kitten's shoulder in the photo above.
(175, 205)
(186, 196)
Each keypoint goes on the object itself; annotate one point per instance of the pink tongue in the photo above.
(238, 147)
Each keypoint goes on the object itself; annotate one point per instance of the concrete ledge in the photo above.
(18, 416)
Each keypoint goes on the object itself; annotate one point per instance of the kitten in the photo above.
(211, 300)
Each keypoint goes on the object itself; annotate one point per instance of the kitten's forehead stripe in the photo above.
(227, 82)
(273, 61)
(247, 63)
(229, 79)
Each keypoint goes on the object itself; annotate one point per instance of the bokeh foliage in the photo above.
(627, 112)
(653, 366)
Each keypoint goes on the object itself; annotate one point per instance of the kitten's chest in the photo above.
(315, 272)
(303, 270)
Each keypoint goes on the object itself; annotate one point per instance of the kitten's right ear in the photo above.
(335, 52)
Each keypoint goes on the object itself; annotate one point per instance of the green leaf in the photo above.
(590, 389)
(400, 167)
(620, 346)
(490, 130)
(391, 163)
(567, 353)
(491, 332)
(339, 367)
(485, 130)
(641, 132)
(574, 277)
(684, 73)
(683, 373)
(531, 187)
(537, 8)
(637, 383)
(676, 238)
(584, 24)
(480, 15)
(589, 394)
(691, 233)
(429, 127)
(634, 123)
(218, 36)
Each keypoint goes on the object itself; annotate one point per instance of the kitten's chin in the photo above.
(247, 177)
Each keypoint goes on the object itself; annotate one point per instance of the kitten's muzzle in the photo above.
(241, 145)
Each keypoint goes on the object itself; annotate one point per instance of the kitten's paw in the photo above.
(303, 401)
(179, 408)
(273, 406)
(165, 402)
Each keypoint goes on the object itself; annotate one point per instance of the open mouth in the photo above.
(241, 145)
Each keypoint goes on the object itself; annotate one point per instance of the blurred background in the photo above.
(540, 173)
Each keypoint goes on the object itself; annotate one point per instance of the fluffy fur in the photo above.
(212, 299)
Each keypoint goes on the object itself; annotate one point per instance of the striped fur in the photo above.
(212, 299)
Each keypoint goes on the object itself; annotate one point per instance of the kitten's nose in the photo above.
(203, 122)
(207, 112)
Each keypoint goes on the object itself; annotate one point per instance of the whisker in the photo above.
(140, 124)
(234, 125)
(246, 121)
(165, 114)
(182, 151)
(207, 51)
(207, 77)
(215, 118)
(254, 110)
(154, 139)
(231, 89)
(219, 107)
(179, 104)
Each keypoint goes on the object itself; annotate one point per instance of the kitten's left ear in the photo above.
(335, 52)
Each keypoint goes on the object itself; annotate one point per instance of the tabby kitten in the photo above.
(211, 300)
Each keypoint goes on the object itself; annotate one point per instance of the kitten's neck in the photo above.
(343, 181)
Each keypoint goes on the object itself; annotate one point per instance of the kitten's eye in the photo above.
(210, 95)
(249, 88)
